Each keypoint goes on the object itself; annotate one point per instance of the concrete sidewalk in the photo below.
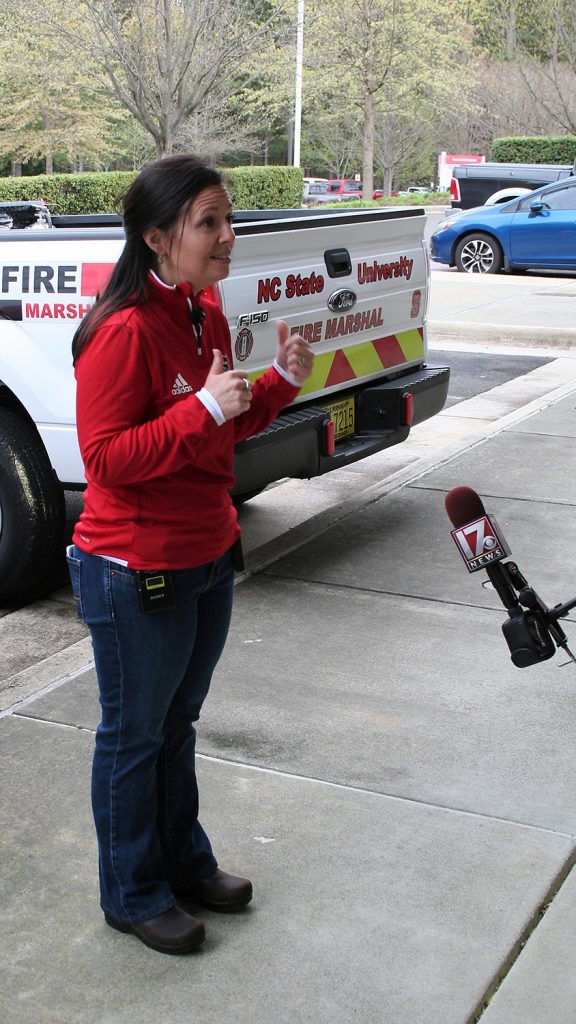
(484, 307)
(401, 795)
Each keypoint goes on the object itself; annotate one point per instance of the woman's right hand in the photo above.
(231, 390)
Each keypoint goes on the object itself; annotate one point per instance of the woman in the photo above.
(159, 410)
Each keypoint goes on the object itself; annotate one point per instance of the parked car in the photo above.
(25, 213)
(316, 191)
(415, 189)
(349, 188)
(537, 231)
(490, 183)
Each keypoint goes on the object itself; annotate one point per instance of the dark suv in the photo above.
(480, 184)
(24, 214)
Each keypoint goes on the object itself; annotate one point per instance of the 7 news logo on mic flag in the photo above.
(480, 543)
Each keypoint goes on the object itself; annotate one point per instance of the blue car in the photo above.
(537, 231)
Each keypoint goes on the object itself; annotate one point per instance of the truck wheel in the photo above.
(478, 254)
(32, 512)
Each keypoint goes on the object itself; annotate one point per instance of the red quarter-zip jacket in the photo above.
(158, 466)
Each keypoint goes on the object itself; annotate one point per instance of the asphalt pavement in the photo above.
(401, 795)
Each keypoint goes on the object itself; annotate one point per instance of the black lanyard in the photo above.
(197, 318)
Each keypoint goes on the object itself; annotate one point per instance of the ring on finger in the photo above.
(246, 383)
(302, 361)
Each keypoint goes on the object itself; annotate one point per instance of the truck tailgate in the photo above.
(352, 302)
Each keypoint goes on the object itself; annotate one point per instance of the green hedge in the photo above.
(70, 193)
(545, 149)
(265, 188)
(428, 199)
(252, 188)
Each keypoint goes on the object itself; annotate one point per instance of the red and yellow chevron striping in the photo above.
(355, 362)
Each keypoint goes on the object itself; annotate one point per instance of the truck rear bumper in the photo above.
(295, 444)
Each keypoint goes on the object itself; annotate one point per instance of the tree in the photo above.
(402, 143)
(47, 107)
(389, 59)
(263, 110)
(164, 60)
(531, 52)
(543, 45)
(332, 136)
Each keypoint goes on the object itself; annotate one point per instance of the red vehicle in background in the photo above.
(349, 188)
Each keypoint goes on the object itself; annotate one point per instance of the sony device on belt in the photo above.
(156, 590)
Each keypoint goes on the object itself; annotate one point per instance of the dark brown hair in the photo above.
(155, 199)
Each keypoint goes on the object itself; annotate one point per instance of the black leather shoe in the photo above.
(175, 931)
(219, 892)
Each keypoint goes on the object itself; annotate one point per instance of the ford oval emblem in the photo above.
(342, 300)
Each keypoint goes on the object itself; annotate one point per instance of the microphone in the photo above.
(480, 541)
(197, 317)
(531, 633)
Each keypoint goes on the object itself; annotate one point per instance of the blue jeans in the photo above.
(154, 672)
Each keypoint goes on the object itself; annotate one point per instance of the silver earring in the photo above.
(160, 257)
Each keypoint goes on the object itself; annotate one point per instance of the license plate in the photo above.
(342, 416)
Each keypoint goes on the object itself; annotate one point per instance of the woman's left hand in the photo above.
(294, 354)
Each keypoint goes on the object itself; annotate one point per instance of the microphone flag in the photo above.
(480, 543)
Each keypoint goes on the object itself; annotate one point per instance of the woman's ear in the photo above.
(155, 240)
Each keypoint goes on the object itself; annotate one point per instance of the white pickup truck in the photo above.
(354, 283)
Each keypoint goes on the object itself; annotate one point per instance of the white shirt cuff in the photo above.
(210, 403)
(287, 376)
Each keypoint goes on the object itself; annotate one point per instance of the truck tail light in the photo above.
(408, 401)
(329, 438)
(455, 190)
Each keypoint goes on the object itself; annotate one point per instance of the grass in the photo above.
(421, 199)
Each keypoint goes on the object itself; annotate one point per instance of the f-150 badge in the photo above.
(248, 319)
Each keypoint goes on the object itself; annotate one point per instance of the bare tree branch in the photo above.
(163, 59)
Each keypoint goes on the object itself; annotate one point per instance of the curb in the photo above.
(47, 674)
(520, 336)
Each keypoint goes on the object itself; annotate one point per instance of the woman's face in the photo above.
(200, 248)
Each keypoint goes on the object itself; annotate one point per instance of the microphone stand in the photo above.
(543, 616)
